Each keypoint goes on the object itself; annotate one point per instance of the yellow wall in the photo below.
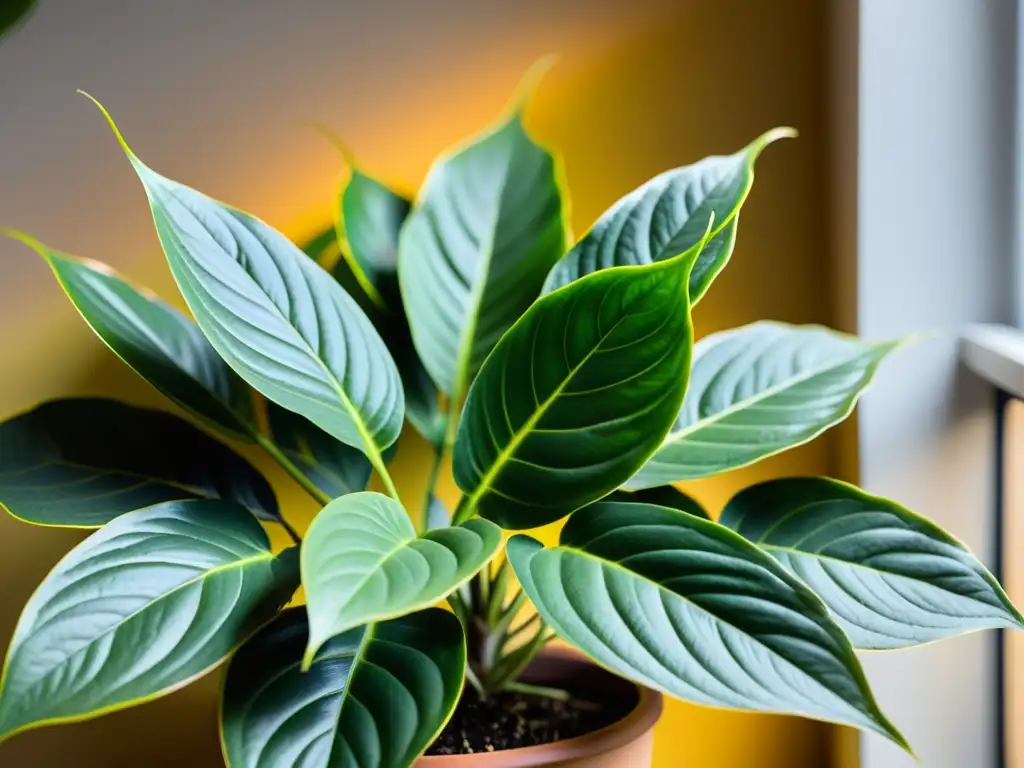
(631, 98)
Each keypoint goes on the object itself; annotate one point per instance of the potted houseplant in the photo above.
(562, 380)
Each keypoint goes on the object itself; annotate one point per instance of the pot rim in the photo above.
(618, 734)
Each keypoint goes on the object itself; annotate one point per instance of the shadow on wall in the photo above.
(706, 81)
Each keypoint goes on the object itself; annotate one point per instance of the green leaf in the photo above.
(487, 227)
(362, 562)
(335, 468)
(157, 341)
(891, 578)
(13, 14)
(142, 607)
(663, 496)
(667, 216)
(81, 462)
(277, 318)
(577, 395)
(759, 390)
(688, 607)
(375, 696)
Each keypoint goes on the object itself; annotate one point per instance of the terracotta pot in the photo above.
(627, 743)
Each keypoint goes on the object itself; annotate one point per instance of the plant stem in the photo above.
(385, 476)
(475, 682)
(290, 531)
(538, 690)
(521, 628)
(289, 466)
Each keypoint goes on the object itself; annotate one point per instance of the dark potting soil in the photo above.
(509, 720)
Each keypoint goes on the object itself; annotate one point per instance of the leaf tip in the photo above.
(757, 146)
(531, 81)
(336, 141)
(113, 126)
(26, 239)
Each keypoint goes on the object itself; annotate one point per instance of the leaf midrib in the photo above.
(665, 253)
(775, 389)
(661, 588)
(507, 453)
(357, 658)
(476, 294)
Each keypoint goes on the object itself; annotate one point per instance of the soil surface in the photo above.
(509, 720)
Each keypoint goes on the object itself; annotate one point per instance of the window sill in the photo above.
(996, 353)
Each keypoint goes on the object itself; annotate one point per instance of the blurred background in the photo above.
(894, 211)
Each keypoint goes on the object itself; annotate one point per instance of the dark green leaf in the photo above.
(663, 496)
(13, 13)
(159, 343)
(281, 322)
(577, 395)
(362, 562)
(335, 468)
(371, 216)
(891, 578)
(667, 216)
(152, 601)
(688, 607)
(375, 697)
(81, 462)
(759, 390)
(487, 227)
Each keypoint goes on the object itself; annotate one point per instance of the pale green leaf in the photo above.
(277, 318)
(488, 225)
(891, 578)
(759, 390)
(688, 607)
(150, 602)
(667, 216)
(363, 562)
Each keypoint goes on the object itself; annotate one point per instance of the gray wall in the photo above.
(934, 252)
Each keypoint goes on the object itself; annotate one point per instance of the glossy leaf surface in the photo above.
(369, 220)
(277, 318)
(362, 562)
(487, 227)
(891, 578)
(335, 468)
(374, 696)
(663, 496)
(157, 341)
(81, 462)
(688, 607)
(577, 395)
(150, 602)
(667, 216)
(758, 390)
